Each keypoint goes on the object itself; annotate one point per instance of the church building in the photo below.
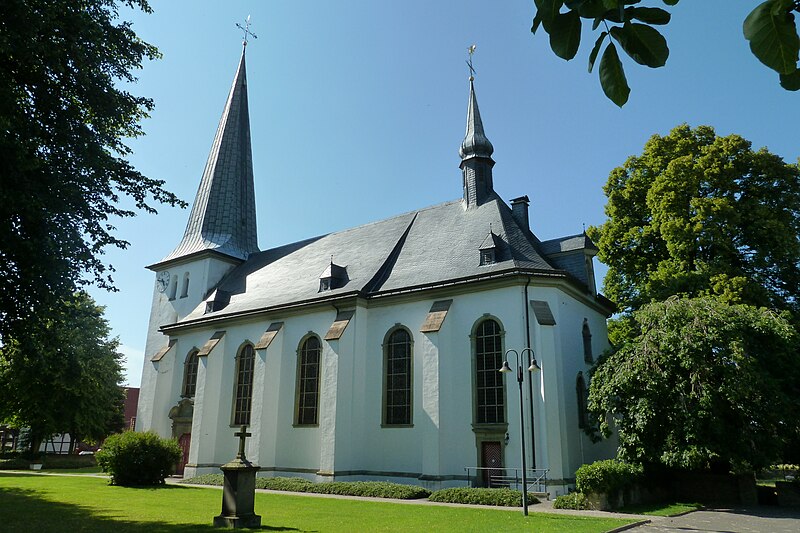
(373, 353)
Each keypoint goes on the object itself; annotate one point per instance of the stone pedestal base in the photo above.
(238, 496)
(233, 522)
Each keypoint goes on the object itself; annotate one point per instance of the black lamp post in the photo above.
(520, 378)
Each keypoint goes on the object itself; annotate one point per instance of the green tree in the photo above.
(770, 29)
(704, 384)
(699, 214)
(65, 377)
(64, 116)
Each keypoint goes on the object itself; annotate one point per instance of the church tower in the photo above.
(220, 234)
(476, 156)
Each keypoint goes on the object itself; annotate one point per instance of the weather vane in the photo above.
(246, 30)
(471, 51)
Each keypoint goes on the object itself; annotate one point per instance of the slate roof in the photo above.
(423, 248)
(223, 217)
(570, 243)
(430, 247)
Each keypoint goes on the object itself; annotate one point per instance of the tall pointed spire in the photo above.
(476, 156)
(223, 217)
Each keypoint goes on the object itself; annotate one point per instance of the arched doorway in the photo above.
(181, 416)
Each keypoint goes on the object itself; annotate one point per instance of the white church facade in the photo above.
(372, 353)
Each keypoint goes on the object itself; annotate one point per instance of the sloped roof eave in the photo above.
(509, 272)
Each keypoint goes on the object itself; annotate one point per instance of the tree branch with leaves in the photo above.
(770, 29)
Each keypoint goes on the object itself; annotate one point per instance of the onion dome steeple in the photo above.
(476, 152)
(223, 217)
(475, 143)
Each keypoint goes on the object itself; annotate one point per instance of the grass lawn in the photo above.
(660, 509)
(84, 470)
(39, 503)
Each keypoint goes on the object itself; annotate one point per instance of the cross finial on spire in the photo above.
(246, 30)
(471, 50)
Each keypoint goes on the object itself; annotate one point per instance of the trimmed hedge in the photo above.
(609, 476)
(133, 458)
(573, 500)
(481, 496)
(373, 489)
(54, 462)
(14, 463)
(205, 479)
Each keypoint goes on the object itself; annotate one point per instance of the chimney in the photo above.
(519, 210)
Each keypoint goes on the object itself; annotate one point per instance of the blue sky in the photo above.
(357, 110)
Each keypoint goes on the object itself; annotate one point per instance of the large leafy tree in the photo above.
(65, 376)
(770, 29)
(699, 214)
(64, 116)
(704, 384)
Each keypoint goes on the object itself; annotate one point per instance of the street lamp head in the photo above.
(505, 368)
(534, 366)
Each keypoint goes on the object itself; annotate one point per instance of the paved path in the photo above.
(752, 520)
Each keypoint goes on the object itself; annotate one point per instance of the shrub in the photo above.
(573, 500)
(607, 476)
(132, 458)
(481, 496)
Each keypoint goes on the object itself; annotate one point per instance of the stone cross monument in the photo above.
(239, 490)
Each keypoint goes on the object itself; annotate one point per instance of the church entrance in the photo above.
(181, 416)
(492, 460)
(184, 441)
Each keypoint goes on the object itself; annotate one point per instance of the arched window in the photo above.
(587, 342)
(308, 382)
(189, 375)
(488, 381)
(583, 396)
(173, 287)
(397, 378)
(185, 288)
(243, 397)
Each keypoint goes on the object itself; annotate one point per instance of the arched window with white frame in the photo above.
(397, 378)
(243, 390)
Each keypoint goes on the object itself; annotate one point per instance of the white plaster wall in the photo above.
(153, 405)
(349, 438)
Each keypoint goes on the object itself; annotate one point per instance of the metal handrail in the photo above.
(508, 477)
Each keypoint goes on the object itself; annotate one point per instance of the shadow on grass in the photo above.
(24, 510)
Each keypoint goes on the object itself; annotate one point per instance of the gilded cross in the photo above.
(243, 434)
(471, 50)
(246, 30)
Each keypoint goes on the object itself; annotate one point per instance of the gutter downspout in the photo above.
(530, 381)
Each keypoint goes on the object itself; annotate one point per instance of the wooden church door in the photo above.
(184, 441)
(491, 457)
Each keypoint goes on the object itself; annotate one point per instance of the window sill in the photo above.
(492, 428)
(398, 426)
(305, 426)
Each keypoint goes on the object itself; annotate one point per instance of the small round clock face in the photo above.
(162, 281)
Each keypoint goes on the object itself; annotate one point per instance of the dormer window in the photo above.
(218, 300)
(489, 250)
(334, 277)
